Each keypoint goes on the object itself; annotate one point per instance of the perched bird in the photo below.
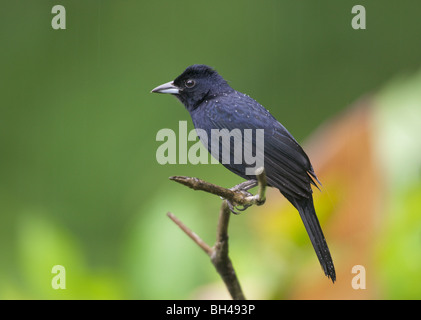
(213, 104)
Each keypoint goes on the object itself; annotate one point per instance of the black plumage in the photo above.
(213, 104)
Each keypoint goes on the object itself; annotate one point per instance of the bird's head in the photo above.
(197, 83)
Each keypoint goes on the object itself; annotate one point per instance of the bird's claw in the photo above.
(233, 207)
(243, 207)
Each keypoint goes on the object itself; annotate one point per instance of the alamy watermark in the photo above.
(58, 22)
(59, 280)
(359, 280)
(235, 147)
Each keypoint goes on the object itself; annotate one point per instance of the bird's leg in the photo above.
(257, 199)
(260, 197)
(242, 187)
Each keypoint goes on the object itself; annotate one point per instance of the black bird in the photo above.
(213, 104)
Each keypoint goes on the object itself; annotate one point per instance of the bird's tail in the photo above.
(305, 207)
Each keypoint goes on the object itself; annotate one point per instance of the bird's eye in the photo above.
(190, 83)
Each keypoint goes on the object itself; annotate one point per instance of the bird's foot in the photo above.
(245, 186)
(233, 207)
(242, 207)
(251, 199)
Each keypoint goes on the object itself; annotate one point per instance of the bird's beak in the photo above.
(168, 87)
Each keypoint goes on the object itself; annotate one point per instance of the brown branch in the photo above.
(198, 184)
(219, 252)
(220, 257)
(235, 195)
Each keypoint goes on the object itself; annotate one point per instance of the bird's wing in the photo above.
(286, 164)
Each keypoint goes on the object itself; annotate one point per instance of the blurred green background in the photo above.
(79, 182)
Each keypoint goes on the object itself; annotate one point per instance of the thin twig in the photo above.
(233, 197)
(202, 244)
